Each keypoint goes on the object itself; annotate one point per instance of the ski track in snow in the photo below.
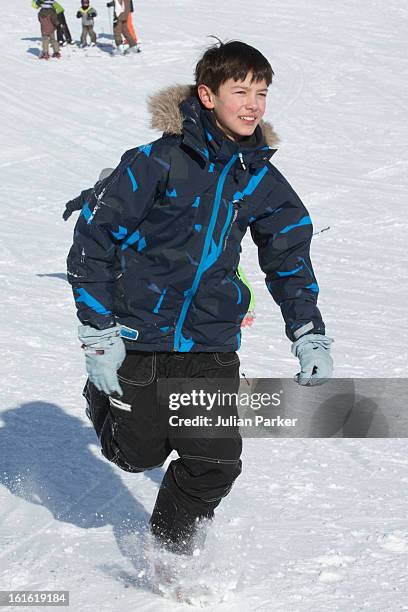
(310, 525)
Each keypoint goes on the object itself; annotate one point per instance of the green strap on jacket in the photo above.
(244, 279)
(58, 8)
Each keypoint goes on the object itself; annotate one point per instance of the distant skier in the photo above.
(153, 268)
(48, 19)
(87, 13)
(130, 25)
(63, 33)
(122, 10)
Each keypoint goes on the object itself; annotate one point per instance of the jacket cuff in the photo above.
(312, 327)
(101, 323)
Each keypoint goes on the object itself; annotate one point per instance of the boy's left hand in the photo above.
(313, 352)
(104, 354)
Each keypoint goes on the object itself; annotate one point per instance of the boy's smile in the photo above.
(238, 107)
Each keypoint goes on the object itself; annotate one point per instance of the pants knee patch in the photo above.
(227, 469)
(207, 481)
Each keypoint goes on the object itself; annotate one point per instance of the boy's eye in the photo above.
(260, 93)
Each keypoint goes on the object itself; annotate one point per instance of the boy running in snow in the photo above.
(87, 13)
(49, 22)
(153, 269)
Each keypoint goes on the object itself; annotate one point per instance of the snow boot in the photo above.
(133, 49)
(44, 56)
(57, 55)
(118, 50)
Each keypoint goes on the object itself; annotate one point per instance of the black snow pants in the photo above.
(63, 33)
(135, 435)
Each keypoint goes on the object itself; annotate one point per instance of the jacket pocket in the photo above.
(242, 294)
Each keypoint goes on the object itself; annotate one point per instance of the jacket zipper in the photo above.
(235, 205)
(190, 293)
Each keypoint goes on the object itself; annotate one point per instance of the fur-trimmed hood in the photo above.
(166, 115)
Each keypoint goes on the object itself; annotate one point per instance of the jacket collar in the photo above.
(176, 110)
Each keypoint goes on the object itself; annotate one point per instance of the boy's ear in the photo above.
(206, 96)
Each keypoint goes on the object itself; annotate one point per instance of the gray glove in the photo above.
(104, 354)
(313, 352)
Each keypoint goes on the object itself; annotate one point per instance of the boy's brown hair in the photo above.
(231, 60)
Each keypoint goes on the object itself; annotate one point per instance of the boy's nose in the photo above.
(252, 104)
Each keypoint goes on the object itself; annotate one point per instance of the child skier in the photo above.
(49, 22)
(87, 13)
(63, 33)
(153, 269)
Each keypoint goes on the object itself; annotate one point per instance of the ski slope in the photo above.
(310, 525)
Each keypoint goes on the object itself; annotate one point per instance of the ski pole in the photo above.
(321, 231)
(110, 22)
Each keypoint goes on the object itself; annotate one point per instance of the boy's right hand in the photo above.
(104, 354)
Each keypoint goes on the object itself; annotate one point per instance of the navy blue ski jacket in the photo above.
(157, 246)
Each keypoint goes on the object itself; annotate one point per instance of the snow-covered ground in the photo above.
(311, 525)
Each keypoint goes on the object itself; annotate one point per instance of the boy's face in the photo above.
(238, 107)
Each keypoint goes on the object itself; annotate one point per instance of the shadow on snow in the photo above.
(46, 460)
